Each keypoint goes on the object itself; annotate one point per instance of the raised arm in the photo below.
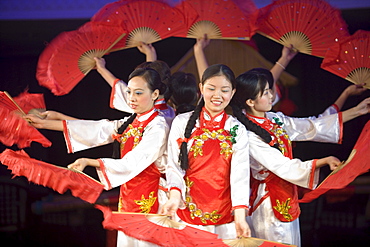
(148, 50)
(287, 54)
(199, 55)
(104, 72)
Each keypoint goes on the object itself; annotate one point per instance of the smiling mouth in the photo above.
(216, 102)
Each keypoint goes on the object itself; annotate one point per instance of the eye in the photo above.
(211, 88)
(128, 91)
(225, 90)
(138, 92)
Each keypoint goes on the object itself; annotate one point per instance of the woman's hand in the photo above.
(332, 161)
(81, 163)
(241, 225)
(171, 206)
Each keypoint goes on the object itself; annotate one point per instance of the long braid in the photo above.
(258, 130)
(183, 156)
(116, 145)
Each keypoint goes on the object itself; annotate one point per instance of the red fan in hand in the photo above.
(357, 163)
(14, 129)
(219, 19)
(144, 21)
(311, 26)
(350, 58)
(57, 178)
(157, 229)
(28, 101)
(70, 56)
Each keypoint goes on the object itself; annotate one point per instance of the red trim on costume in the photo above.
(66, 137)
(102, 168)
(181, 140)
(312, 175)
(160, 104)
(175, 188)
(336, 107)
(163, 188)
(240, 206)
(340, 117)
(113, 92)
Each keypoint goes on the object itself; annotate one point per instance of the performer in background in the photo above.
(140, 143)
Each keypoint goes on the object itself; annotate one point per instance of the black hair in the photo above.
(185, 91)
(154, 82)
(250, 85)
(164, 72)
(211, 71)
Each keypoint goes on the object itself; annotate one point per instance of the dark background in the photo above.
(336, 219)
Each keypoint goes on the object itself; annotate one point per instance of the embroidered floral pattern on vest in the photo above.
(197, 147)
(197, 212)
(281, 138)
(283, 209)
(146, 204)
(136, 133)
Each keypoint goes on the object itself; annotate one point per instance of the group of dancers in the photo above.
(181, 153)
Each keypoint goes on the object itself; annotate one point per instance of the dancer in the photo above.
(140, 142)
(212, 178)
(274, 198)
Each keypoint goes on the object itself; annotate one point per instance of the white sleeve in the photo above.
(322, 129)
(149, 150)
(118, 99)
(293, 170)
(240, 169)
(84, 134)
(174, 173)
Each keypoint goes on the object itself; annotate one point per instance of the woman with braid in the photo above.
(140, 141)
(275, 174)
(208, 167)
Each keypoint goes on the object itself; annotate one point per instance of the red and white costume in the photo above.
(118, 100)
(217, 180)
(139, 169)
(276, 175)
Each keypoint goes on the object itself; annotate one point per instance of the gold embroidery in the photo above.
(132, 132)
(197, 147)
(196, 212)
(283, 209)
(146, 204)
(281, 134)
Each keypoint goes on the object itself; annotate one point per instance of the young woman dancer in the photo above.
(208, 168)
(274, 198)
(140, 141)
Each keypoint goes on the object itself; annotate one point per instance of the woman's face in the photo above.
(262, 104)
(217, 92)
(140, 97)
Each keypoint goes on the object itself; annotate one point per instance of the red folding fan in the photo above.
(311, 26)
(28, 101)
(14, 129)
(70, 56)
(157, 229)
(57, 178)
(219, 19)
(350, 58)
(357, 163)
(144, 21)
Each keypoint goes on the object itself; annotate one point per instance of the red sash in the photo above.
(140, 193)
(208, 197)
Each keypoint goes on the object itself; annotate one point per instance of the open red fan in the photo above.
(145, 21)
(357, 163)
(157, 229)
(57, 178)
(14, 129)
(70, 56)
(219, 19)
(311, 26)
(28, 101)
(350, 58)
